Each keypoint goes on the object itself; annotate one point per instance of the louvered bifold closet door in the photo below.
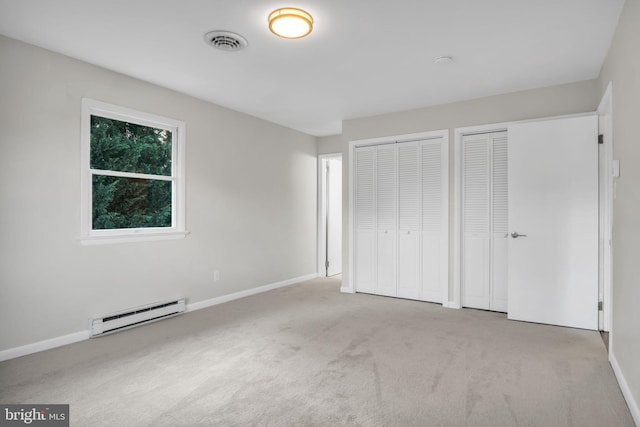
(434, 160)
(409, 221)
(365, 220)
(500, 221)
(476, 220)
(386, 215)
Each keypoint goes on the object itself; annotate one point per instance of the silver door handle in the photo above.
(515, 235)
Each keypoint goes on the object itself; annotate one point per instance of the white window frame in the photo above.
(89, 236)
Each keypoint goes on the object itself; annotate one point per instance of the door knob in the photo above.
(515, 235)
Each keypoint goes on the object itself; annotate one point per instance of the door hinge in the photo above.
(600, 306)
(326, 264)
(601, 139)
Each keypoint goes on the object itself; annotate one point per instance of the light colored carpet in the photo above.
(307, 355)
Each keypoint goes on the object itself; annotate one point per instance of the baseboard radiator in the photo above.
(126, 319)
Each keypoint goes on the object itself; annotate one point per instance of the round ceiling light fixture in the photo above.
(290, 23)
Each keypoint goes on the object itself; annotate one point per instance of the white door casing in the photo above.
(553, 200)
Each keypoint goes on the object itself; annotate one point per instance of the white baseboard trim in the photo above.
(347, 290)
(36, 347)
(626, 391)
(237, 295)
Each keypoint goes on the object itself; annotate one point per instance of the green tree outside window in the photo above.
(128, 202)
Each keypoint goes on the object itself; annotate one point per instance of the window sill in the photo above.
(129, 238)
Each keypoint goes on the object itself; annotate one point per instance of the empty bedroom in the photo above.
(264, 213)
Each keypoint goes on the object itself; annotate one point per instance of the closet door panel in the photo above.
(476, 219)
(500, 221)
(365, 261)
(386, 265)
(408, 221)
(434, 220)
(477, 269)
(408, 265)
(386, 213)
(431, 268)
(365, 220)
(499, 275)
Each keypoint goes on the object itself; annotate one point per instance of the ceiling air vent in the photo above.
(225, 40)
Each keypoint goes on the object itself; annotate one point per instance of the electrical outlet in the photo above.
(216, 275)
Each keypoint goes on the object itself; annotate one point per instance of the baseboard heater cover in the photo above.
(137, 316)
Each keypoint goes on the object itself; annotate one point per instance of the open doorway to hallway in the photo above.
(329, 214)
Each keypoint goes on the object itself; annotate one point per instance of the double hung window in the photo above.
(133, 175)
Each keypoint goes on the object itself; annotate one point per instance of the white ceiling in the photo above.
(364, 57)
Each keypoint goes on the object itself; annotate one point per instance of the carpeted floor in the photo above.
(307, 355)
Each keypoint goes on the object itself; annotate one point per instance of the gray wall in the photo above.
(570, 98)
(622, 67)
(329, 144)
(250, 207)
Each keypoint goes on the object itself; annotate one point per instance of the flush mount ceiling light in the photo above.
(290, 23)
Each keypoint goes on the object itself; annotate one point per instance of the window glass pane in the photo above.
(130, 203)
(128, 147)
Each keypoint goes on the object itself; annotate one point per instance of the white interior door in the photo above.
(334, 217)
(553, 205)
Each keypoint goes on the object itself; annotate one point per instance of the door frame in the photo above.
(348, 283)
(322, 210)
(606, 180)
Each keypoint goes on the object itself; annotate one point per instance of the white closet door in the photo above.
(408, 221)
(485, 221)
(365, 220)
(476, 216)
(401, 219)
(435, 211)
(386, 212)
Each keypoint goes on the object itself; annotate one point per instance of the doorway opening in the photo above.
(329, 214)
